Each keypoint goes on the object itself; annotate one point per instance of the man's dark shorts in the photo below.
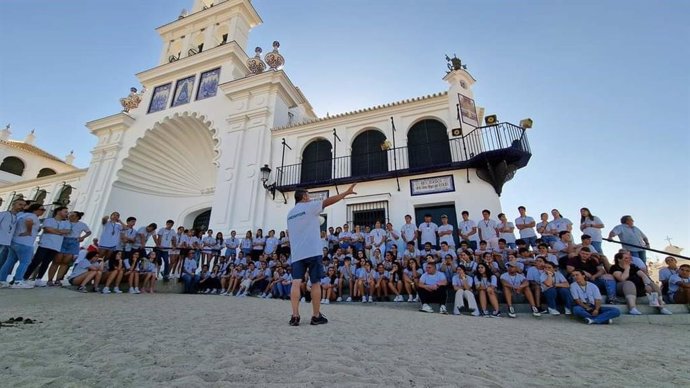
(312, 264)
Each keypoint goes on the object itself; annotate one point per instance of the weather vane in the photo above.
(455, 63)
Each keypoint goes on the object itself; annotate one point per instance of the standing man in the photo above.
(630, 234)
(445, 233)
(409, 231)
(8, 223)
(427, 232)
(305, 241)
(488, 229)
(165, 239)
(467, 229)
(525, 224)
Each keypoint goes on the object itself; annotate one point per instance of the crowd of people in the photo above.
(489, 265)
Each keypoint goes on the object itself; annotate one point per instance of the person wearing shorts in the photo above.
(304, 228)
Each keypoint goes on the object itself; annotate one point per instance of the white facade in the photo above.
(189, 151)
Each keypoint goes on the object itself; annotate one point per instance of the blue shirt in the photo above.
(428, 279)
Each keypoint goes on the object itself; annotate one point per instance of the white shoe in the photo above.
(4, 285)
(349, 299)
(269, 296)
(106, 290)
(654, 299)
(40, 283)
(568, 311)
(554, 311)
(634, 311)
(416, 298)
(339, 299)
(263, 295)
(136, 290)
(426, 308)
(443, 310)
(364, 299)
(117, 290)
(371, 299)
(410, 299)
(665, 311)
(224, 293)
(22, 285)
(132, 290)
(476, 313)
(326, 301)
(303, 300)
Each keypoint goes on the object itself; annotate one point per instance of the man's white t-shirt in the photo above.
(304, 228)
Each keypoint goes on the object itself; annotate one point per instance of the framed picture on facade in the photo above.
(183, 91)
(468, 111)
(159, 99)
(208, 84)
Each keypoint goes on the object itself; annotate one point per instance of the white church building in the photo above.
(220, 137)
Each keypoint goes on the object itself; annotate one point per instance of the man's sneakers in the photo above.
(476, 313)
(443, 310)
(340, 299)
(106, 290)
(320, 320)
(634, 311)
(568, 311)
(589, 321)
(40, 283)
(554, 311)
(117, 290)
(349, 299)
(536, 312)
(294, 320)
(426, 308)
(665, 311)
(22, 285)
(511, 312)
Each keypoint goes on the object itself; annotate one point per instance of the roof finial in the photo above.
(69, 159)
(30, 137)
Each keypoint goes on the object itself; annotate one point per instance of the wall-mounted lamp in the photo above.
(526, 123)
(271, 188)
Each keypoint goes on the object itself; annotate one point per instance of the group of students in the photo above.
(417, 263)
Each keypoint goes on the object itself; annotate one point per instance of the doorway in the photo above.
(436, 211)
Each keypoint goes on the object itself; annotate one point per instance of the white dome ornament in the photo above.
(255, 64)
(273, 59)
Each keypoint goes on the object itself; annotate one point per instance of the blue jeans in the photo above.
(282, 290)
(549, 239)
(190, 282)
(531, 241)
(597, 246)
(4, 252)
(605, 313)
(163, 254)
(608, 284)
(17, 253)
(553, 293)
(641, 254)
(511, 245)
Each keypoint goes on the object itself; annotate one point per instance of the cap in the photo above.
(444, 216)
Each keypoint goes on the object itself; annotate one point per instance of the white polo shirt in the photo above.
(427, 232)
(304, 228)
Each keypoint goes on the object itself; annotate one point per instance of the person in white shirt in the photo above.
(345, 237)
(208, 242)
(304, 228)
(427, 232)
(432, 289)
(8, 223)
(22, 247)
(543, 227)
(679, 286)
(467, 230)
(514, 283)
(232, 243)
(377, 238)
(554, 285)
(525, 225)
(109, 239)
(668, 271)
(86, 270)
(258, 244)
(69, 249)
(165, 240)
(445, 232)
(505, 231)
(408, 231)
(272, 243)
(392, 237)
(175, 262)
(488, 229)
(587, 301)
(462, 284)
(189, 275)
(591, 225)
(633, 239)
(54, 230)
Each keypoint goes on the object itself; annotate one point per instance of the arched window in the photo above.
(46, 172)
(40, 196)
(202, 220)
(367, 156)
(428, 145)
(13, 165)
(317, 162)
(64, 198)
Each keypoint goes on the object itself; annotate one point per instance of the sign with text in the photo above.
(318, 195)
(468, 111)
(437, 184)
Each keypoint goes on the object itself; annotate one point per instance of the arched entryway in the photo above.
(367, 156)
(202, 220)
(428, 145)
(317, 162)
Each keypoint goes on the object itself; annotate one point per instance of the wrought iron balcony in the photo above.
(496, 151)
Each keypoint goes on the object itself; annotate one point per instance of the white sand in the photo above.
(213, 341)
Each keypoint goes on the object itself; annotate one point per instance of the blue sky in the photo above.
(606, 82)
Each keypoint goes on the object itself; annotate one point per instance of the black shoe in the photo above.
(320, 320)
(294, 321)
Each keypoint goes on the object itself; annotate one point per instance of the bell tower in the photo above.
(209, 24)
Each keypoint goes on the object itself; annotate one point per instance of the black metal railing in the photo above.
(465, 151)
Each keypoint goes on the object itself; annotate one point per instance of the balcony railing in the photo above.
(500, 141)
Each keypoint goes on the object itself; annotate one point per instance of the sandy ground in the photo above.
(91, 340)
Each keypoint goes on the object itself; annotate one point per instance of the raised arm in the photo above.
(336, 198)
